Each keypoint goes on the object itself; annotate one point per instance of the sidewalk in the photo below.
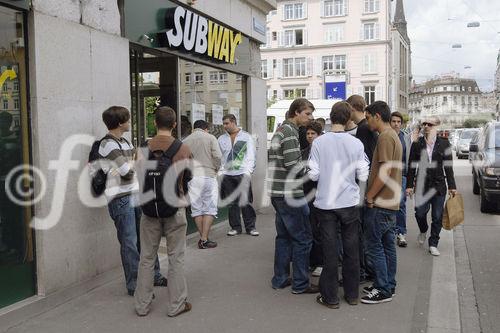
(230, 290)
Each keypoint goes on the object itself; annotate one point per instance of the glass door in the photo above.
(17, 269)
(153, 83)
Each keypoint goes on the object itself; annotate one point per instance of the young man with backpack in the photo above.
(119, 183)
(163, 214)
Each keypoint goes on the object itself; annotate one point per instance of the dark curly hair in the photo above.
(315, 126)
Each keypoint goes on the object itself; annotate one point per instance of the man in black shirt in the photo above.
(369, 140)
(363, 132)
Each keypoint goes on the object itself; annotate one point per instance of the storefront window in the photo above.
(221, 95)
(16, 241)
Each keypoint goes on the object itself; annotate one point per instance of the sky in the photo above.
(435, 25)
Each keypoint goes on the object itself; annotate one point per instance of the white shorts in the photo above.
(204, 195)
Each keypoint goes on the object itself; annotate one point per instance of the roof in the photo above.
(400, 20)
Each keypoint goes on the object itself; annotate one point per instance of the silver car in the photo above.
(464, 142)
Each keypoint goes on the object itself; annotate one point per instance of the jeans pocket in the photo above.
(116, 206)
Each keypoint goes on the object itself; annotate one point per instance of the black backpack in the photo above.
(98, 177)
(158, 207)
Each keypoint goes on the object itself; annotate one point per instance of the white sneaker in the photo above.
(317, 271)
(434, 251)
(421, 238)
(233, 232)
(401, 240)
(253, 232)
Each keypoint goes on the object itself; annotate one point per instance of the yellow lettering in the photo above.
(224, 49)
(234, 43)
(214, 39)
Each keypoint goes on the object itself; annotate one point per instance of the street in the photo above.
(479, 236)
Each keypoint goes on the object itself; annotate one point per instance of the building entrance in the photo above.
(17, 277)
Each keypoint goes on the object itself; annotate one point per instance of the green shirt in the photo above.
(285, 162)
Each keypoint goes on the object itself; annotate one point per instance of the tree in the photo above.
(474, 123)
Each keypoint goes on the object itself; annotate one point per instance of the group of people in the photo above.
(342, 196)
(198, 160)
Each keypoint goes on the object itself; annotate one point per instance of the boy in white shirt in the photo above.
(337, 159)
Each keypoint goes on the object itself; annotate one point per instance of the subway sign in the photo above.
(194, 33)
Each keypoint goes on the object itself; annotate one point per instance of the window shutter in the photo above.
(379, 93)
(304, 9)
(284, 12)
(279, 68)
(346, 7)
(377, 30)
(309, 67)
(365, 63)
(322, 8)
(304, 36)
(309, 93)
(280, 38)
(318, 66)
(270, 70)
(373, 58)
(361, 91)
(377, 5)
(280, 94)
(361, 32)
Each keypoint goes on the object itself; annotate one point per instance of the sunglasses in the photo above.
(428, 124)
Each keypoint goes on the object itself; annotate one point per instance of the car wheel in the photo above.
(475, 185)
(485, 205)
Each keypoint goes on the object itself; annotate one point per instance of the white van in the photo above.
(276, 113)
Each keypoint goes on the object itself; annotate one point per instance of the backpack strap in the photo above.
(107, 136)
(173, 149)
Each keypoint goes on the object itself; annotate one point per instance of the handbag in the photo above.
(453, 214)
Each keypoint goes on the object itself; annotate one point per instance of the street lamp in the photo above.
(473, 24)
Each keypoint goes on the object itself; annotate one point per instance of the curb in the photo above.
(444, 311)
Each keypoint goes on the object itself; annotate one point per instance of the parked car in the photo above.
(486, 167)
(464, 142)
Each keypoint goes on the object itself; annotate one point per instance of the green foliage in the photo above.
(150, 104)
(474, 123)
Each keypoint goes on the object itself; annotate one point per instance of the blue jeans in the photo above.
(293, 244)
(401, 214)
(381, 247)
(127, 220)
(437, 202)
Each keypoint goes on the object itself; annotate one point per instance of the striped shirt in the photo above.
(285, 162)
(116, 157)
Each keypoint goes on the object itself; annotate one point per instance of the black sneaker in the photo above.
(369, 289)
(208, 244)
(375, 297)
(161, 282)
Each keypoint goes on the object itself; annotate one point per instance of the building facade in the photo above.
(450, 97)
(401, 78)
(62, 64)
(332, 49)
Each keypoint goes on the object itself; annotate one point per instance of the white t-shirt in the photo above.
(337, 159)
